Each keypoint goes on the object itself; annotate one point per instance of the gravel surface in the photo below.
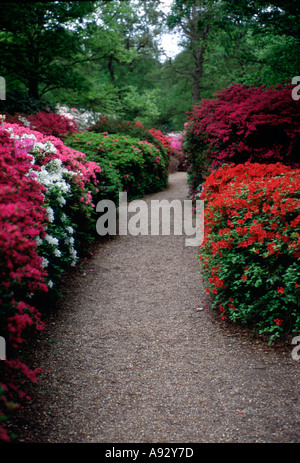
(131, 355)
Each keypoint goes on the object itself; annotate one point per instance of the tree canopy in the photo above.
(105, 55)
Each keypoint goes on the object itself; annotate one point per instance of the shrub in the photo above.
(141, 168)
(81, 177)
(135, 130)
(242, 124)
(22, 219)
(176, 141)
(251, 250)
(46, 122)
(41, 198)
(19, 102)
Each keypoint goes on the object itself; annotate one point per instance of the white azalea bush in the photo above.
(58, 246)
(68, 197)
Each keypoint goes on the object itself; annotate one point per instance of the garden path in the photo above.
(130, 357)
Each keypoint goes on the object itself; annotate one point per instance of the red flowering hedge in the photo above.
(22, 216)
(251, 249)
(45, 122)
(254, 124)
(165, 141)
(44, 188)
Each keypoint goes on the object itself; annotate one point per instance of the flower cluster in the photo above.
(47, 122)
(81, 117)
(176, 140)
(251, 250)
(164, 139)
(46, 192)
(241, 124)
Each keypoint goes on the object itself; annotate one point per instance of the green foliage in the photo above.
(38, 47)
(19, 102)
(140, 167)
(114, 125)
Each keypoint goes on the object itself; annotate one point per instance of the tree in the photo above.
(118, 57)
(195, 20)
(38, 44)
(278, 16)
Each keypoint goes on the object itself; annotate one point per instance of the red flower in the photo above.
(244, 277)
(278, 321)
(280, 290)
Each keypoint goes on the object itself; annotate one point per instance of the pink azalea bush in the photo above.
(176, 141)
(44, 187)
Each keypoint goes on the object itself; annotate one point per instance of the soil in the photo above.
(133, 352)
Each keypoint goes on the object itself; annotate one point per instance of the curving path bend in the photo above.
(129, 358)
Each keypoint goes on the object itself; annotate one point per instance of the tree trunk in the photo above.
(33, 87)
(199, 52)
(110, 68)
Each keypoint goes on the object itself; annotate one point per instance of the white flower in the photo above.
(61, 201)
(69, 240)
(28, 135)
(51, 240)
(45, 262)
(57, 253)
(50, 284)
(70, 230)
(38, 241)
(50, 214)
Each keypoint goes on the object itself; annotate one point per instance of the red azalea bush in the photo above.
(51, 147)
(45, 122)
(254, 124)
(22, 220)
(251, 249)
(165, 141)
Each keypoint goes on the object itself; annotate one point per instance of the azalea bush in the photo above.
(135, 130)
(142, 170)
(176, 141)
(46, 122)
(255, 124)
(44, 188)
(251, 250)
(22, 219)
(82, 117)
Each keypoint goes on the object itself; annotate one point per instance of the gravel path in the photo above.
(129, 358)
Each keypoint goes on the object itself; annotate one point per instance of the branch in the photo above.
(179, 71)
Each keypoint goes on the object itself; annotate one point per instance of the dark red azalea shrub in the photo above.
(251, 249)
(52, 124)
(47, 123)
(243, 124)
